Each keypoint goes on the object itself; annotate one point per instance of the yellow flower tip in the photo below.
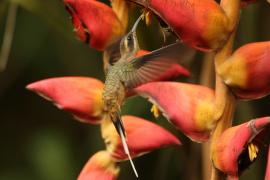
(155, 111)
(100, 166)
(121, 9)
(109, 134)
(252, 151)
(147, 15)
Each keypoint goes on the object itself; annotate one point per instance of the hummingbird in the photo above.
(126, 71)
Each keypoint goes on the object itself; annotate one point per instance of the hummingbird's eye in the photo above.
(129, 38)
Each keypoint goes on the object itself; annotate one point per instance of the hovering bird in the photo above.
(124, 72)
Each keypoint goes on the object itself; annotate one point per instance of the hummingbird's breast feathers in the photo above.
(114, 90)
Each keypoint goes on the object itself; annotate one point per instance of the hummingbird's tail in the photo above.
(118, 123)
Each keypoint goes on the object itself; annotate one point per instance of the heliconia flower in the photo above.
(94, 22)
(238, 146)
(81, 96)
(190, 22)
(267, 174)
(247, 71)
(188, 107)
(142, 136)
(100, 166)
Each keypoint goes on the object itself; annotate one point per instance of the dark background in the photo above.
(38, 141)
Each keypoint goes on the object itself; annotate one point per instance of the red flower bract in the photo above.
(247, 71)
(80, 96)
(95, 23)
(230, 151)
(199, 23)
(142, 137)
(189, 107)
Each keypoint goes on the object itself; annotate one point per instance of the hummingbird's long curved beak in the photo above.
(136, 23)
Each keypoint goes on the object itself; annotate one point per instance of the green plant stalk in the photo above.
(225, 100)
(207, 79)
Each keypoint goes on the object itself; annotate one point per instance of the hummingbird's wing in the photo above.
(151, 66)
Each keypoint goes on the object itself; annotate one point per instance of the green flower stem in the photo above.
(225, 100)
(207, 79)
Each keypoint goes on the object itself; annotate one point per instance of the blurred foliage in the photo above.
(38, 141)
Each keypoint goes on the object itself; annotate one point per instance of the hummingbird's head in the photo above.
(129, 44)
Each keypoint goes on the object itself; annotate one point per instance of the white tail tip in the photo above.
(125, 146)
